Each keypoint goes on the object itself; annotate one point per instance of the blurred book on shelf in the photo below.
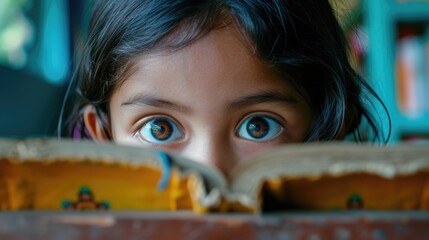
(350, 16)
(412, 74)
(416, 138)
(358, 41)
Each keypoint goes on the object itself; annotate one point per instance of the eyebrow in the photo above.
(263, 97)
(154, 102)
(256, 98)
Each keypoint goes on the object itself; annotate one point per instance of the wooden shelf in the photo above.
(410, 11)
(186, 225)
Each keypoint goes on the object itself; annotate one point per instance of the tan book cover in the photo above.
(45, 174)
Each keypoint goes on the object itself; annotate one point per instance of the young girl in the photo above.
(217, 80)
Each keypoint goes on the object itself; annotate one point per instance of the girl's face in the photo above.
(212, 101)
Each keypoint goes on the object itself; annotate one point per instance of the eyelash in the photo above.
(150, 126)
(262, 120)
(176, 130)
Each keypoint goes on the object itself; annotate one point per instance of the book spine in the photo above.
(426, 67)
(411, 76)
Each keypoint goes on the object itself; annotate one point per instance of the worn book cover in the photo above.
(45, 174)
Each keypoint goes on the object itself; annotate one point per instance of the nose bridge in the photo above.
(212, 149)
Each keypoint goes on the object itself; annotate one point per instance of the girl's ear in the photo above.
(96, 124)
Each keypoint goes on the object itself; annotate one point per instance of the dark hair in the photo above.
(300, 40)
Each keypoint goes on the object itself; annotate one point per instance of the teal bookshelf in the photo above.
(382, 19)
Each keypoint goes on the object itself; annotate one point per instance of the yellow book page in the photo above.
(351, 191)
(32, 185)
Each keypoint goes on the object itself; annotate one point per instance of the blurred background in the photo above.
(37, 41)
(389, 41)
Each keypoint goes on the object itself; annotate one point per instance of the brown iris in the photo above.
(257, 127)
(161, 129)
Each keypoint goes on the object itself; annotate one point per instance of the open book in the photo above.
(64, 175)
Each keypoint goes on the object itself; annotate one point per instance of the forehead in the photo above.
(219, 66)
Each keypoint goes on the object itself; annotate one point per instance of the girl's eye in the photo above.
(160, 130)
(259, 128)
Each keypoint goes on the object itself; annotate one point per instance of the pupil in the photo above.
(257, 127)
(161, 129)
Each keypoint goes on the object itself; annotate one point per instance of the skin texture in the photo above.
(208, 89)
